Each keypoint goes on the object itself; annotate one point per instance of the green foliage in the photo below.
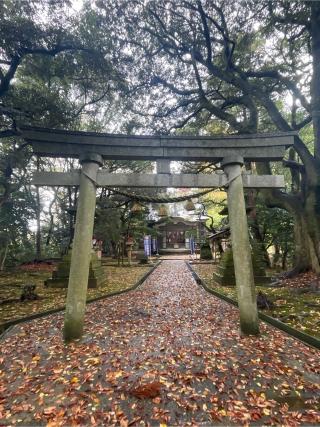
(205, 252)
(15, 233)
(115, 222)
(99, 70)
(276, 229)
(55, 71)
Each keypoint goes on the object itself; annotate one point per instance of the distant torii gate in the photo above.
(91, 148)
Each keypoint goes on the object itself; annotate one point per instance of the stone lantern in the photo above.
(129, 245)
(163, 211)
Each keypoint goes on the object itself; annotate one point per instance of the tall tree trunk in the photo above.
(302, 256)
(312, 220)
(38, 213)
(51, 223)
(315, 84)
(259, 240)
(50, 230)
(284, 263)
(254, 225)
(113, 249)
(304, 209)
(276, 256)
(4, 256)
(312, 191)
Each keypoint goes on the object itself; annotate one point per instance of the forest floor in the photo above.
(118, 278)
(293, 303)
(166, 353)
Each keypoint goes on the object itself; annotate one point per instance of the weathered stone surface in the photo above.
(249, 323)
(225, 275)
(60, 277)
(82, 247)
(160, 180)
(142, 258)
(64, 143)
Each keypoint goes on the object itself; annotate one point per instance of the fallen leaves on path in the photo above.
(167, 353)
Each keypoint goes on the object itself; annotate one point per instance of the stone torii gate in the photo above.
(91, 148)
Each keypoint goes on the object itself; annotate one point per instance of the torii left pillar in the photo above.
(81, 249)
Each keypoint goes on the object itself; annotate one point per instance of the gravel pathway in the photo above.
(166, 353)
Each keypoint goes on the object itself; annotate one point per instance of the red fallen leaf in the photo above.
(150, 390)
(112, 376)
(200, 375)
(21, 408)
(255, 415)
(49, 410)
(215, 415)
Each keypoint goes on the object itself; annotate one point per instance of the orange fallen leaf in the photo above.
(150, 390)
(49, 410)
(92, 361)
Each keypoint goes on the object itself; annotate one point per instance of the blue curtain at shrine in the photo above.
(192, 245)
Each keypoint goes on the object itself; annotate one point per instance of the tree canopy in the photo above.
(196, 67)
(211, 66)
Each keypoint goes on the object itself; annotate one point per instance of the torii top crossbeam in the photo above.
(65, 143)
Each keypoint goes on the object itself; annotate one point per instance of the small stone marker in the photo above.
(28, 293)
(263, 302)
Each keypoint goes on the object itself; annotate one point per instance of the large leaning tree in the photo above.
(53, 73)
(246, 67)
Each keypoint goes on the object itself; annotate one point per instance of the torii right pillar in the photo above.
(249, 322)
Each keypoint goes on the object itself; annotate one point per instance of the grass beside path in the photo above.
(300, 311)
(117, 279)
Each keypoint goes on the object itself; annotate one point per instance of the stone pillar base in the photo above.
(225, 275)
(60, 277)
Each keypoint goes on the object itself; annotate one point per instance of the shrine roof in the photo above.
(171, 220)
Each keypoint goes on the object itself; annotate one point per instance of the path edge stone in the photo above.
(292, 332)
(7, 326)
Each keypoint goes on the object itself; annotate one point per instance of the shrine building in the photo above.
(174, 233)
